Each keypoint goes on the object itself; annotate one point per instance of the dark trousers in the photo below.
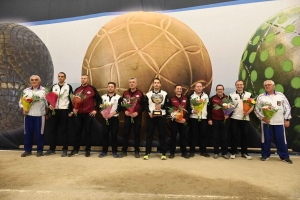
(220, 132)
(239, 126)
(181, 129)
(160, 123)
(34, 125)
(59, 120)
(198, 133)
(113, 129)
(136, 131)
(280, 140)
(83, 121)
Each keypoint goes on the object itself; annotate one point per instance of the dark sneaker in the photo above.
(49, 152)
(64, 153)
(287, 160)
(136, 155)
(225, 156)
(186, 156)
(73, 153)
(192, 155)
(264, 159)
(245, 155)
(171, 155)
(26, 154)
(87, 153)
(205, 155)
(123, 154)
(101, 155)
(115, 155)
(39, 154)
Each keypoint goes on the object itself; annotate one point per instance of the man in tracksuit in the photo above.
(63, 109)
(85, 115)
(276, 125)
(158, 120)
(198, 128)
(176, 102)
(113, 121)
(216, 119)
(238, 124)
(34, 118)
(138, 109)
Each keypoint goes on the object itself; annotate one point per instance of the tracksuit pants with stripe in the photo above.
(280, 141)
(34, 124)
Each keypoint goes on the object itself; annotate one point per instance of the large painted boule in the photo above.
(146, 45)
(22, 54)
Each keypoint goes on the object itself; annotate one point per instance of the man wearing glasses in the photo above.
(62, 110)
(276, 125)
(34, 117)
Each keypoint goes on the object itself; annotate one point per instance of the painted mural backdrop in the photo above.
(180, 47)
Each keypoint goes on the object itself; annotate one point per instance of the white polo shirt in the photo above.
(237, 99)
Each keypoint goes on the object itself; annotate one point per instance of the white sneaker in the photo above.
(246, 156)
(232, 156)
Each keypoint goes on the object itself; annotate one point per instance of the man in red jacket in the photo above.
(137, 96)
(216, 119)
(179, 125)
(85, 115)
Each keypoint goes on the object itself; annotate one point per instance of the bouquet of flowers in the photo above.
(268, 110)
(52, 98)
(106, 108)
(176, 114)
(247, 104)
(129, 103)
(198, 104)
(77, 100)
(27, 100)
(227, 106)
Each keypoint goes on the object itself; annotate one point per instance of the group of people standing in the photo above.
(156, 104)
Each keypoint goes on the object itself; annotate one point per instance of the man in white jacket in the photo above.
(276, 125)
(240, 120)
(34, 117)
(62, 110)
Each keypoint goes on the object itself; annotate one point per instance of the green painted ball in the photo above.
(273, 53)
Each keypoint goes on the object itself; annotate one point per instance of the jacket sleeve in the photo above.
(209, 109)
(286, 108)
(188, 109)
(98, 99)
(119, 108)
(69, 97)
(257, 110)
(167, 103)
(142, 104)
(146, 104)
